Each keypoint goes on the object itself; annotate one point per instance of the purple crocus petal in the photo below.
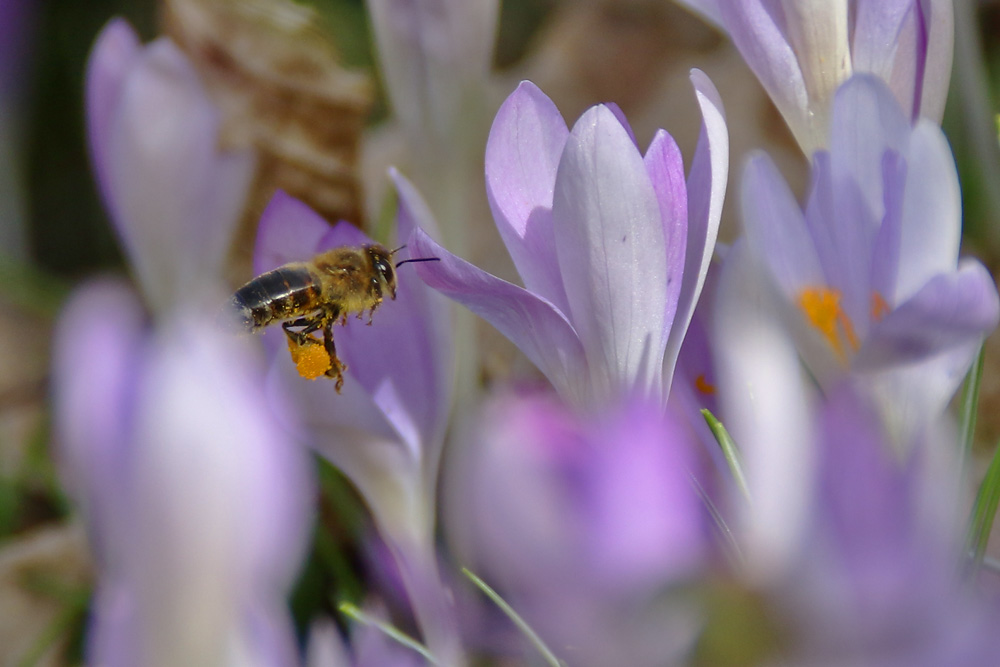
(706, 190)
(612, 254)
(174, 196)
(96, 357)
(914, 395)
(620, 115)
(522, 155)
(533, 324)
(950, 310)
(324, 647)
(885, 254)
(844, 250)
(288, 231)
(112, 633)
(938, 24)
(776, 229)
(666, 171)
(643, 519)
(756, 28)
(877, 25)
(932, 212)
(211, 453)
(866, 122)
(113, 55)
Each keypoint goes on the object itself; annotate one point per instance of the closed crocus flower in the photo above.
(612, 245)
(869, 267)
(584, 524)
(802, 50)
(173, 195)
(385, 428)
(197, 504)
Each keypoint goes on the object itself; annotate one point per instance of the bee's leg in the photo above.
(337, 367)
(376, 300)
(308, 324)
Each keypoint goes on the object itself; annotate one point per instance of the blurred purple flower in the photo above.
(197, 503)
(876, 580)
(612, 245)
(368, 646)
(802, 50)
(386, 428)
(173, 195)
(606, 517)
(869, 270)
(431, 52)
(851, 547)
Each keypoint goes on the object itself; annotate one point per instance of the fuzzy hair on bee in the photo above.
(308, 297)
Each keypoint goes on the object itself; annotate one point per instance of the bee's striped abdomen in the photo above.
(286, 292)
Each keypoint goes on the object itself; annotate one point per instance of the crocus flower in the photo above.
(850, 548)
(802, 50)
(606, 517)
(869, 270)
(197, 504)
(174, 196)
(385, 429)
(435, 58)
(431, 52)
(876, 579)
(612, 245)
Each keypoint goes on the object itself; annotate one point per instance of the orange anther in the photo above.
(821, 306)
(703, 385)
(879, 307)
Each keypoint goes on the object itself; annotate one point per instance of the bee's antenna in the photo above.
(393, 252)
(418, 259)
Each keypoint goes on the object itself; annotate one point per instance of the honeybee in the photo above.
(307, 297)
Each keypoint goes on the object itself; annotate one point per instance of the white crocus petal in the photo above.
(765, 405)
(818, 32)
(932, 212)
(612, 254)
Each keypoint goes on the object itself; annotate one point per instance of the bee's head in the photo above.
(385, 273)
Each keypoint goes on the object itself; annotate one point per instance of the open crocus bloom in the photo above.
(870, 268)
(612, 245)
(385, 430)
(802, 50)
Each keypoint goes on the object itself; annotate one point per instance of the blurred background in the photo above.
(55, 233)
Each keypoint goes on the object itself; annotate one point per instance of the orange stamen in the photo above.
(879, 307)
(821, 306)
(311, 359)
(703, 385)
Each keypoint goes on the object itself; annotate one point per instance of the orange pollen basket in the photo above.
(821, 306)
(311, 360)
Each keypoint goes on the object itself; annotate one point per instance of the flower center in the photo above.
(821, 306)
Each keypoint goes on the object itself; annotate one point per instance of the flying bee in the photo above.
(307, 297)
